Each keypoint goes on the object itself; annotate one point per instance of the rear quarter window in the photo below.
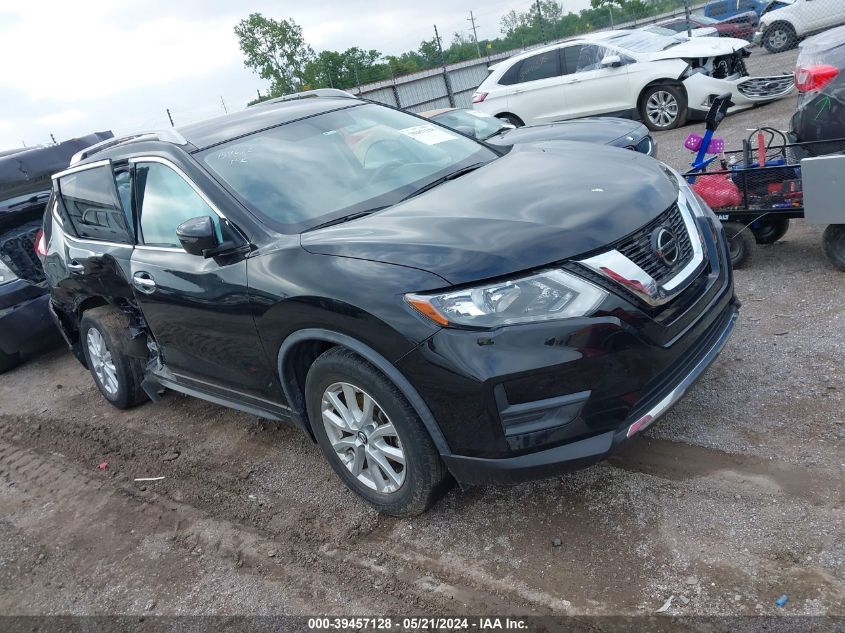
(91, 204)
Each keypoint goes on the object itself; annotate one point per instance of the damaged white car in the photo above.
(662, 80)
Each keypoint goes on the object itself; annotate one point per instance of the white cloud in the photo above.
(71, 67)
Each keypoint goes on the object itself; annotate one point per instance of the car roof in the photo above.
(211, 132)
(229, 126)
(597, 36)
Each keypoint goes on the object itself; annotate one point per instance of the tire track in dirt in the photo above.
(342, 553)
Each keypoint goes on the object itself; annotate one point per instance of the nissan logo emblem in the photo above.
(664, 242)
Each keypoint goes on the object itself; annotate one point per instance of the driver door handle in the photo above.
(144, 282)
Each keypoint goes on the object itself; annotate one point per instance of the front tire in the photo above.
(834, 245)
(740, 243)
(663, 107)
(371, 436)
(104, 334)
(780, 37)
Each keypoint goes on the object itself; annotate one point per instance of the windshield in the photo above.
(703, 19)
(305, 173)
(643, 41)
(478, 124)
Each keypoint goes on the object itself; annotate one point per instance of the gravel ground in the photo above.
(735, 498)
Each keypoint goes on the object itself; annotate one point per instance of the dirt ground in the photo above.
(733, 499)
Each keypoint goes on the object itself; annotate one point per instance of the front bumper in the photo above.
(25, 322)
(526, 401)
(593, 449)
(745, 92)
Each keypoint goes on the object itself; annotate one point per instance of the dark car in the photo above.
(606, 130)
(25, 323)
(741, 25)
(424, 306)
(820, 79)
(725, 9)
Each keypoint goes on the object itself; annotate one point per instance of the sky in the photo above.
(71, 67)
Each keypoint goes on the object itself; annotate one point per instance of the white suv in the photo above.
(663, 81)
(785, 22)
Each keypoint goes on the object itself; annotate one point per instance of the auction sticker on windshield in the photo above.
(428, 134)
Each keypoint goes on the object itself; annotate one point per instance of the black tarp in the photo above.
(29, 170)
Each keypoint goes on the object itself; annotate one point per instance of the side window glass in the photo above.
(540, 66)
(90, 201)
(590, 58)
(166, 200)
(511, 75)
(569, 58)
(123, 184)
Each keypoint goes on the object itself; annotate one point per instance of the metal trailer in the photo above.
(761, 187)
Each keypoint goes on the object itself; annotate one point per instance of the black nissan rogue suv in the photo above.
(423, 306)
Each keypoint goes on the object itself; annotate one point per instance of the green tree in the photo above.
(275, 50)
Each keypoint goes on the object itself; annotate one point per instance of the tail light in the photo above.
(815, 77)
(478, 97)
(41, 244)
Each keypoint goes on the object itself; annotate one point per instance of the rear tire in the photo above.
(780, 37)
(771, 230)
(512, 119)
(834, 245)
(104, 336)
(663, 107)
(379, 431)
(8, 361)
(740, 243)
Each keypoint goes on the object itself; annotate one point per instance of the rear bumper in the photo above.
(25, 322)
(584, 452)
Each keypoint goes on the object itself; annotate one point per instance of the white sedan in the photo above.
(662, 80)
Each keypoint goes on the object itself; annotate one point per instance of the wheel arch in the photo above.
(301, 348)
(510, 114)
(663, 81)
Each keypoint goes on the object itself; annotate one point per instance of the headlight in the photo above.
(553, 294)
(6, 275)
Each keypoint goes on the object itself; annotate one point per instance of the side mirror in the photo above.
(197, 235)
(611, 61)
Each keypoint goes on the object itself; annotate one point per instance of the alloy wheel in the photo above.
(779, 39)
(101, 361)
(662, 108)
(363, 437)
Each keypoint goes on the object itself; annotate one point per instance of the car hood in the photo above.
(701, 47)
(605, 130)
(541, 203)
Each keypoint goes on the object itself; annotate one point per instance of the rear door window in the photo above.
(542, 66)
(717, 9)
(166, 200)
(91, 203)
(511, 75)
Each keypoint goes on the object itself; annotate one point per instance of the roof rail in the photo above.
(168, 136)
(318, 92)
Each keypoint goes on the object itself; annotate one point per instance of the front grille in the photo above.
(17, 251)
(766, 87)
(639, 249)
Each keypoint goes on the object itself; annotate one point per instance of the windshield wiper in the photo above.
(29, 201)
(504, 128)
(345, 218)
(439, 181)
